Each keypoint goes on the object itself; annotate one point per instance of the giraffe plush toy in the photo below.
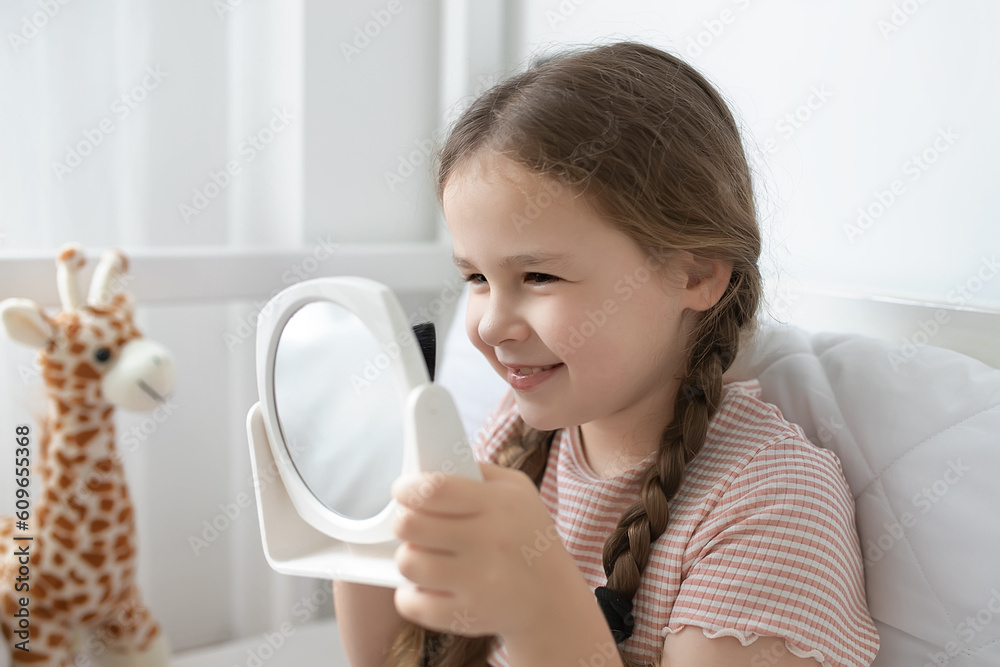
(82, 590)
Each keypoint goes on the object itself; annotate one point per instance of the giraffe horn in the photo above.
(107, 277)
(68, 264)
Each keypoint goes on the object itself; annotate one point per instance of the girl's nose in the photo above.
(501, 322)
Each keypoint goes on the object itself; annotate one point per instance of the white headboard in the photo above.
(908, 324)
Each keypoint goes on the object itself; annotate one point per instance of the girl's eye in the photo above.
(540, 278)
(475, 278)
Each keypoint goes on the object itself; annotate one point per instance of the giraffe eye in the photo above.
(102, 355)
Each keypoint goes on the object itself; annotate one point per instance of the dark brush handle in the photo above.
(427, 338)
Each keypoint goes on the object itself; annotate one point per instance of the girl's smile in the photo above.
(525, 378)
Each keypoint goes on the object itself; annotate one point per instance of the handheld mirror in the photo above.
(346, 406)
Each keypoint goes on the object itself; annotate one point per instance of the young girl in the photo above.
(636, 510)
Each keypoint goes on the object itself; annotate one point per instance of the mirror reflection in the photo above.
(338, 409)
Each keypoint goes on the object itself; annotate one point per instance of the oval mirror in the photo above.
(338, 409)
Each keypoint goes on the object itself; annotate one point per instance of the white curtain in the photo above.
(179, 128)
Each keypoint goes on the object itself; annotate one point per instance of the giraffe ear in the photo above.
(24, 321)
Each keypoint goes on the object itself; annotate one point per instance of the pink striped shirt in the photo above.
(761, 539)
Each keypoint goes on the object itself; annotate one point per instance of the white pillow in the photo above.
(919, 441)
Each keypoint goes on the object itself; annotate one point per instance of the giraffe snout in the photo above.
(142, 377)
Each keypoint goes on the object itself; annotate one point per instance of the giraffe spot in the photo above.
(50, 495)
(43, 613)
(97, 525)
(84, 417)
(96, 560)
(67, 542)
(98, 486)
(107, 504)
(88, 618)
(107, 413)
(43, 514)
(77, 506)
(58, 383)
(32, 658)
(61, 405)
(55, 640)
(85, 370)
(125, 555)
(77, 347)
(58, 558)
(125, 515)
(154, 631)
(104, 466)
(53, 582)
(68, 255)
(79, 599)
(64, 523)
(81, 438)
(50, 363)
(60, 605)
(64, 481)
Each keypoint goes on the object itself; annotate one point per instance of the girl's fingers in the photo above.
(438, 493)
(429, 569)
(435, 492)
(432, 531)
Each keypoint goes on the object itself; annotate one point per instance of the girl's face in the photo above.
(585, 326)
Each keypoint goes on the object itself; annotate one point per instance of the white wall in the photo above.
(887, 81)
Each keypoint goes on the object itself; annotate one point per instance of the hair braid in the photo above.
(715, 344)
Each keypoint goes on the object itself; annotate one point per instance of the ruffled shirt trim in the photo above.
(747, 638)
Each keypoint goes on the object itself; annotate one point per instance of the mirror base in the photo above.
(291, 545)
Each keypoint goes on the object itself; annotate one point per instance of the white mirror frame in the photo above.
(301, 536)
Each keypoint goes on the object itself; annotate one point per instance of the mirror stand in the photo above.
(292, 545)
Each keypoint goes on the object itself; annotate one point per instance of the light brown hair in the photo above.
(652, 145)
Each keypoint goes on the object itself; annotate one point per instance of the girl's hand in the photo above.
(471, 551)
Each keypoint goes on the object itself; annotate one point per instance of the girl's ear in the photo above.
(24, 321)
(707, 280)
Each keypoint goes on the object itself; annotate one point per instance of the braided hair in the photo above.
(653, 147)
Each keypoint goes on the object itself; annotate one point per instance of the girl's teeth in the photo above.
(532, 371)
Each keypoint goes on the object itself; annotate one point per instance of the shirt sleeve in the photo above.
(780, 557)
